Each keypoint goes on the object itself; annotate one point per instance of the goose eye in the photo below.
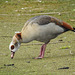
(12, 47)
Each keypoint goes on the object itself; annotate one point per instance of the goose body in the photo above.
(41, 28)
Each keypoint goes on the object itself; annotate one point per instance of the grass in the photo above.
(13, 15)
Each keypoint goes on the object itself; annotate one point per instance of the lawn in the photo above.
(60, 52)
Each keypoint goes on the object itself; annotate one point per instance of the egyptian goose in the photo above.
(41, 28)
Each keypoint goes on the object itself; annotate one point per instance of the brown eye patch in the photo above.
(12, 47)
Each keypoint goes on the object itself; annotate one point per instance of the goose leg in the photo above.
(42, 52)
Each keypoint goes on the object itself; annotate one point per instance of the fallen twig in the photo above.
(37, 13)
(6, 36)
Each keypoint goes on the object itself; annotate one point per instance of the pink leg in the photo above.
(42, 52)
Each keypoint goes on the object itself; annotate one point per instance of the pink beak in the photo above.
(12, 55)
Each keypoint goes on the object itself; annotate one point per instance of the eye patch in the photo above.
(12, 47)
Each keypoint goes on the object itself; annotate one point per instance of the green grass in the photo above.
(13, 15)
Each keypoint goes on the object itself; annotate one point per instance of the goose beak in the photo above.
(12, 54)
